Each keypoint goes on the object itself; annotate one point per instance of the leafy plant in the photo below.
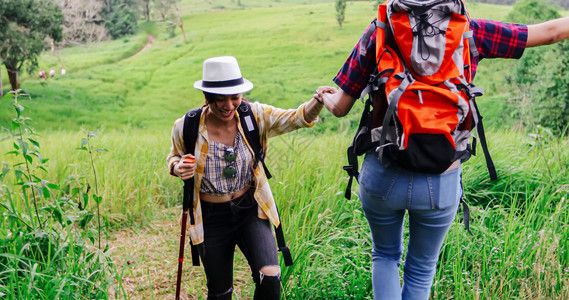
(44, 253)
(26, 148)
(340, 11)
(87, 146)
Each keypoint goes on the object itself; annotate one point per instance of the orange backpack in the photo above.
(421, 91)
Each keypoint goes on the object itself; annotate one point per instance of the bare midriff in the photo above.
(224, 198)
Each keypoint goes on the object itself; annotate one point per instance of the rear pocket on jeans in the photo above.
(444, 188)
(376, 182)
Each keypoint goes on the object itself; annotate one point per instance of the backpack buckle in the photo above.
(351, 170)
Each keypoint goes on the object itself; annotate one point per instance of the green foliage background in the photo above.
(542, 74)
(120, 17)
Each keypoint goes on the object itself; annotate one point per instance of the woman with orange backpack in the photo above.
(388, 188)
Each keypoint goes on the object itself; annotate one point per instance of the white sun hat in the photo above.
(221, 75)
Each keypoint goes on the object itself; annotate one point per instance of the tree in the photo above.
(543, 72)
(120, 17)
(83, 22)
(166, 7)
(24, 27)
(340, 11)
(171, 14)
(180, 22)
(146, 8)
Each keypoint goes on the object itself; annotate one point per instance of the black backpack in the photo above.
(251, 130)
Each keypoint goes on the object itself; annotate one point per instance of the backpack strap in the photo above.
(466, 215)
(366, 120)
(480, 131)
(352, 167)
(190, 133)
(472, 45)
(366, 123)
(282, 244)
(465, 209)
(393, 99)
(251, 130)
(367, 35)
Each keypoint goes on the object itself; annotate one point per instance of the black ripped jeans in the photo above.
(236, 223)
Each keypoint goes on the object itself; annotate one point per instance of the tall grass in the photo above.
(519, 247)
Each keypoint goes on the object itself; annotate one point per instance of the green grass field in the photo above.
(286, 51)
(286, 48)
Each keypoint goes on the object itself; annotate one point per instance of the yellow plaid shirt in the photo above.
(272, 121)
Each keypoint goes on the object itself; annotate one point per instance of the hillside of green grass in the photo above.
(286, 49)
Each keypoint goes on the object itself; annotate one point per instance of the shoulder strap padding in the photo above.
(191, 128)
(251, 130)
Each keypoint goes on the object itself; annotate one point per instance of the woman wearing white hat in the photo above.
(232, 201)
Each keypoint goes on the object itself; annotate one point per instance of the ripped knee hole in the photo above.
(270, 271)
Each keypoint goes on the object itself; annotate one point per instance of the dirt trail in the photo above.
(148, 260)
(151, 39)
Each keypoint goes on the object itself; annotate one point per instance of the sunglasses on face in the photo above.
(230, 171)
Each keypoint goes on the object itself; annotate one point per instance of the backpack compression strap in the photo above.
(480, 131)
(191, 128)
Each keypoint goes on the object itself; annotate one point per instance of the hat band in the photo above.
(226, 83)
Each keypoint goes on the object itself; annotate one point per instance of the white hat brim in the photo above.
(230, 90)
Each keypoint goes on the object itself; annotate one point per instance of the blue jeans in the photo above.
(235, 223)
(431, 201)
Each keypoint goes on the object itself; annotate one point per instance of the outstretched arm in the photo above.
(549, 32)
(312, 109)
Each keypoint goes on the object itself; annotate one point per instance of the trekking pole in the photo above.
(182, 236)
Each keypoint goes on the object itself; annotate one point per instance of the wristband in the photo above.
(172, 169)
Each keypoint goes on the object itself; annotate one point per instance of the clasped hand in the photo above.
(185, 170)
(321, 91)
